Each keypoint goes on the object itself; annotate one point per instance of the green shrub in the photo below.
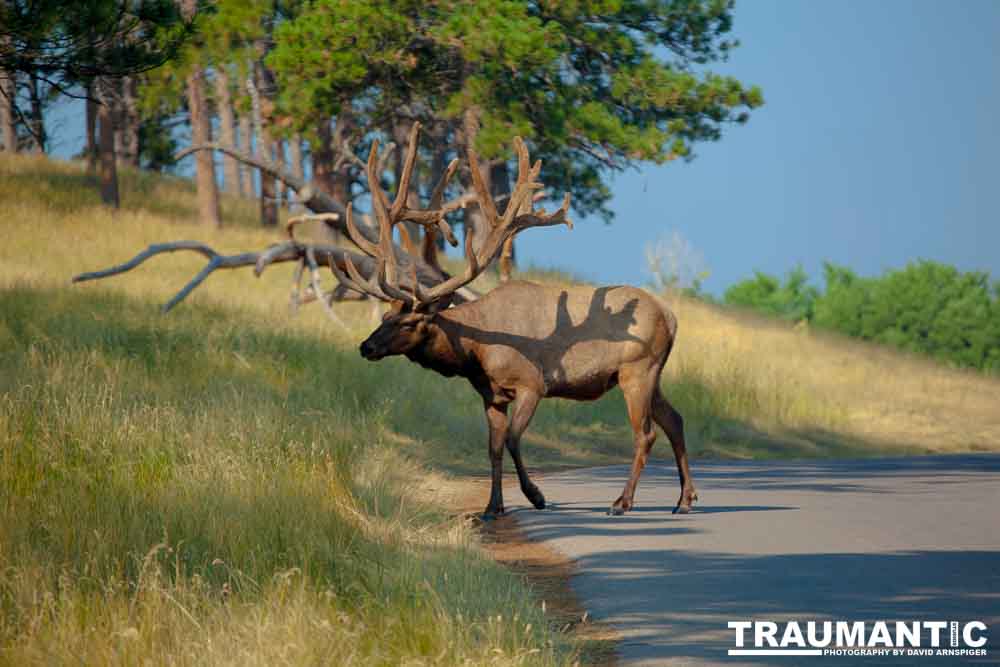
(793, 300)
(926, 307)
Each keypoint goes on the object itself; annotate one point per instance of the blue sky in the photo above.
(874, 148)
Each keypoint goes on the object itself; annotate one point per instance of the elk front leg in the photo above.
(638, 399)
(496, 418)
(524, 409)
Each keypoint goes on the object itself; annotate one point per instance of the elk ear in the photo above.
(397, 306)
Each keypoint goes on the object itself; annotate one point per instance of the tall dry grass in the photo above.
(797, 391)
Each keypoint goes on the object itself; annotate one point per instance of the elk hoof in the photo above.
(686, 501)
(619, 507)
(535, 497)
(490, 514)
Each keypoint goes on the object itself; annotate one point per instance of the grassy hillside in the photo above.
(228, 484)
(217, 486)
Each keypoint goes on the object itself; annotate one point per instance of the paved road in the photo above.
(887, 539)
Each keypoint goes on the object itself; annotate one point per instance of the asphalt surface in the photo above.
(888, 539)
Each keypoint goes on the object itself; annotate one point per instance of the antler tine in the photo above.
(543, 219)
(343, 278)
(418, 291)
(379, 203)
(523, 159)
(454, 283)
(403, 189)
(408, 245)
(393, 291)
(483, 196)
(370, 286)
(523, 191)
(359, 239)
(437, 197)
(385, 250)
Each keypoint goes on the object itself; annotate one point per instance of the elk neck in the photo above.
(442, 350)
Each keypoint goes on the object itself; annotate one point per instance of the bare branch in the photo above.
(317, 290)
(283, 252)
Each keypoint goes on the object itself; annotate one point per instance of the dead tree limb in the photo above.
(290, 251)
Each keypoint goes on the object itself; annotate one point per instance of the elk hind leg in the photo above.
(638, 390)
(673, 425)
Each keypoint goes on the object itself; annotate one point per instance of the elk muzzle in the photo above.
(369, 350)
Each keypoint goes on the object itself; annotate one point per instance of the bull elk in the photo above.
(516, 345)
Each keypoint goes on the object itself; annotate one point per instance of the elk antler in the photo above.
(502, 228)
(385, 282)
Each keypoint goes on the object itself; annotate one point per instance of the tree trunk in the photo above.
(295, 157)
(201, 133)
(37, 116)
(432, 248)
(340, 179)
(263, 107)
(107, 172)
(8, 116)
(268, 185)
(282, 162)
(246, 141)
(128, 118)
(227, 130)
(322, 158)
(91, 148)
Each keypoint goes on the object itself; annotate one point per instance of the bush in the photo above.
(794, 300)
(925, 307)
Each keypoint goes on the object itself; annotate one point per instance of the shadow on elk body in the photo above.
(516, 345)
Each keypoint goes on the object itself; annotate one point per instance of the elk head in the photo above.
(403, 328)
